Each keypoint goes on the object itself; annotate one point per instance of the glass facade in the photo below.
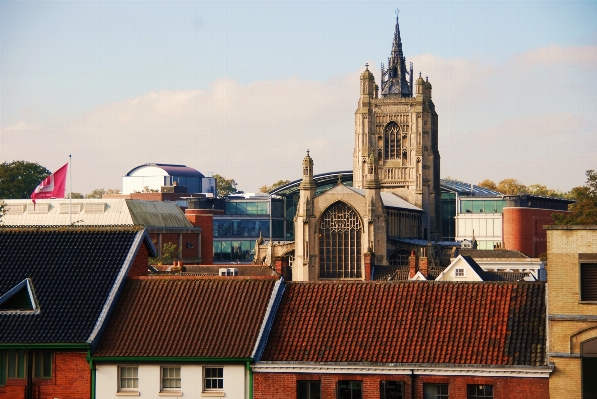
(241, 227)
(448, 215)
(246, 208)
(234, 250)
(482, 206)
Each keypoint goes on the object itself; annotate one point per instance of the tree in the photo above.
(225, 187)
(112, 191)
(18, 179)
(449, 178)
(146, 189)
(75, 195)
(96, 194)
(584, 211)
(511, 187)
(2, 210)
(540, 189)
(279, 183)
(490, 184)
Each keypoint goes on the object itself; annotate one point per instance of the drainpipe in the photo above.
(92, 369)
(250, 380)
(412, 384)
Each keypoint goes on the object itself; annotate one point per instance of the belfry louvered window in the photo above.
(392, 141)
(340, 242)
(588, 281)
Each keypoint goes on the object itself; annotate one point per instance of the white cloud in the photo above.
(531, 118)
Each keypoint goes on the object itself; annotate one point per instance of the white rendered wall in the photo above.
(487, 227)
(191, 383)
(130, 184)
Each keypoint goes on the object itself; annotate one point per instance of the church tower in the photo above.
(401, 129)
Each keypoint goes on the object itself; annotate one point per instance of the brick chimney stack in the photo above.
(412, 265)
(423, 268)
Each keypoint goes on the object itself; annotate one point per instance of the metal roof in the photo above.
(462, 188)
(171, 169)
(390, 200)
(320, 180)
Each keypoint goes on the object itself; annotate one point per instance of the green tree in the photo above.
(2, 210)
(225, 186)
(450, 178)
(18, 179)
(279, 183)
(490, 184)
(112, 191)
(540, 189)
(75, 195)
(96, 194)
(584, 211)
(511, 187)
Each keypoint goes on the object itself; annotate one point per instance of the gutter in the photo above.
(186, 359)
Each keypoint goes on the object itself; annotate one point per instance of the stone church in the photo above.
(395, 196)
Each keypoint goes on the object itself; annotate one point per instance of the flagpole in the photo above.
(70, 196)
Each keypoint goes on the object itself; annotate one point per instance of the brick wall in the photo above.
(139, 266)
(564, 243)
(283, 385)
(523, 229)
(204, 218)
(71, 379)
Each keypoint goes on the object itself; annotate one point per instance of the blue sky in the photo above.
(244, 88)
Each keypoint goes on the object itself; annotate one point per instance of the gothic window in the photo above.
(392, 141)
(340, 242)
(399, 257)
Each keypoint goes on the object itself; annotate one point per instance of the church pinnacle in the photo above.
(393, 79)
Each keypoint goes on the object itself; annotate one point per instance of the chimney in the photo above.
(423, 267)
(368, 257)
(412, 265)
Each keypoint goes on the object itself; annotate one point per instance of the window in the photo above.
(213, 378)
(435, 391)
(458, 272)
(340, 242)
(308, 389)
(170, 378)
(479, 391)
(42, 363)
(128, 377)
(16, 363)
(350, 389)
(391, 390)
(588, 281)
(2, 367)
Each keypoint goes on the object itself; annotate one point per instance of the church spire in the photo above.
(393, 79)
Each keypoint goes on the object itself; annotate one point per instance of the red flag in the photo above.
(53, 186)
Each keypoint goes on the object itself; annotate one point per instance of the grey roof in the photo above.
(390, 200)
(75, 274)
(157, 214)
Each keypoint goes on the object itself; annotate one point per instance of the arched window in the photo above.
(340, 242)
(399, 257)
(392, 141)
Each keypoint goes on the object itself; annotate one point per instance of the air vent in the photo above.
(20, 298)
(38, 209)
(95, 208)
(74, 208)
(15, 209)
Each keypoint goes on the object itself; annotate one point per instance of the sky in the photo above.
(244, 88)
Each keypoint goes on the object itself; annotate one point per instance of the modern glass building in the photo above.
(245, 219)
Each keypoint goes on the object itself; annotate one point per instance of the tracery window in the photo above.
(340, 232)
(392, 141)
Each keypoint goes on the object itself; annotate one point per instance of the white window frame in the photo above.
(205, 378)
(134, 378)
(162, 378)
(459, 269)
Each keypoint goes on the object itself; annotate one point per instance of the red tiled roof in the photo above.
(188, 316)
(410, 322)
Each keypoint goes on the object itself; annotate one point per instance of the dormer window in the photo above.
(459, 272)
(20, 298)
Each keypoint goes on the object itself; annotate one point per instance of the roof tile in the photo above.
(410, 322)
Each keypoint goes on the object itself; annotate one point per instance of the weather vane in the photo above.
(397, 12)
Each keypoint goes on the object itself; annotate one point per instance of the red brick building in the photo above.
(58, 287)
(523, 229)
(406, 340)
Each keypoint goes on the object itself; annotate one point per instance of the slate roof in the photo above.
(73, 271)
(492, 253)
(410, 322)
(215, 317)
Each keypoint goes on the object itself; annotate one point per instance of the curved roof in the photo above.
(462, 188)
(320, 181)
(170, 169)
